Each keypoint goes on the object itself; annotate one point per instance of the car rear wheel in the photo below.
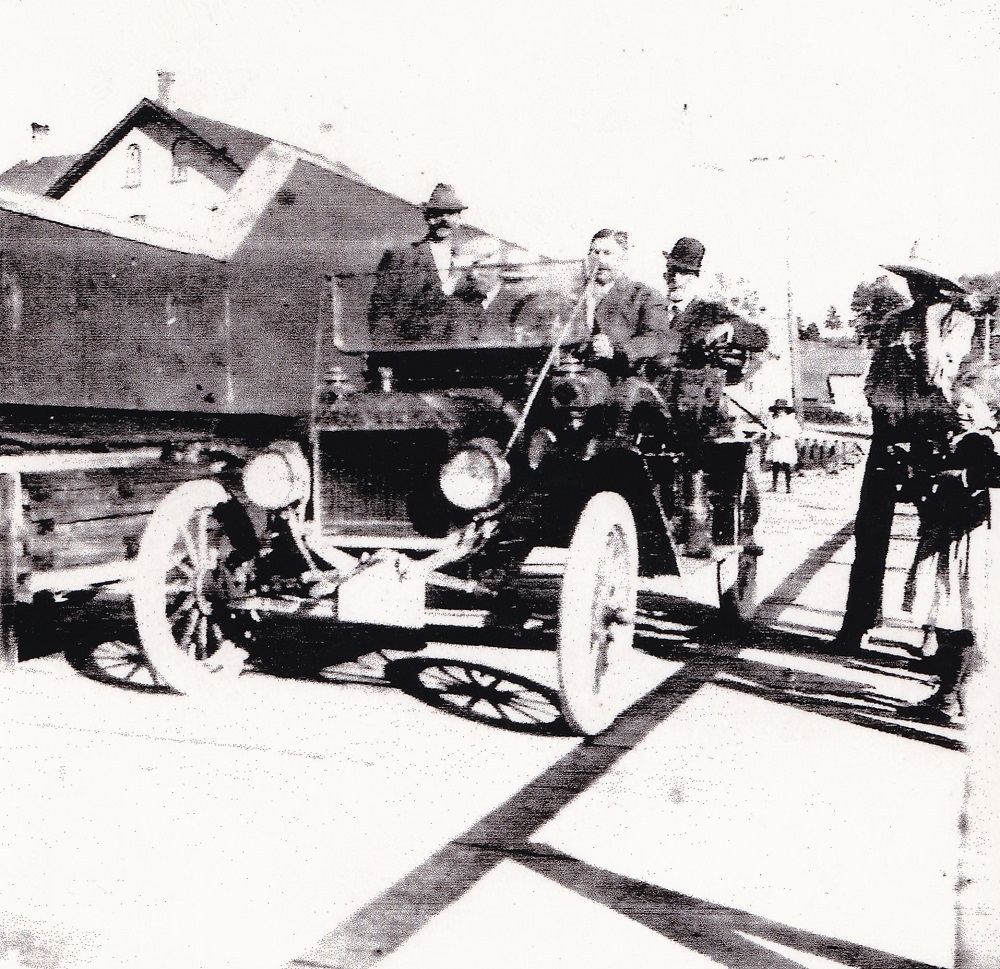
(738, 577)
(597, 613)
(738, 594)
(194, 641)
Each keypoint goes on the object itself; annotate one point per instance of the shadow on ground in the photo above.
(99, 640)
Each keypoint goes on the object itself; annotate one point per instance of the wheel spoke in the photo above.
(527, 702)
(458, 673)
(109, 664)
(497, 714)
(459, 699)
(203, 538)
(444, 677)
(187, 640)
(190, 543)
(530, 716)
(203, 636)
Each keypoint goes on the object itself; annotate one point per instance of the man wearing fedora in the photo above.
(413, 294)
(915, 361)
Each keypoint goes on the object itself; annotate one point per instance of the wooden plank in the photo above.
(10, 553)
(55, 461)
(64, 507)
(125, 479)
(87, 542)
(78, 577)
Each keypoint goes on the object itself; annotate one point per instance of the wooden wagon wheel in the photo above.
(192, 638)
(597, 613)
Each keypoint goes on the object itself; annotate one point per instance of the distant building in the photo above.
(183, 264)
(37, 177)
(163, 167)
(832, 380)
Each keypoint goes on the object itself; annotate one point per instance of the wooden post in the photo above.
(10, 553)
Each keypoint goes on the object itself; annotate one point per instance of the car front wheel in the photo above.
(192, 638)
(597, 613)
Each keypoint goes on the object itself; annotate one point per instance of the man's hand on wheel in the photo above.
(601, 346)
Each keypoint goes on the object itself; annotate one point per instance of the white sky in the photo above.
(555, 118)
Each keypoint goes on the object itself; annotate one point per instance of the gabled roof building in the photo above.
(179, 264)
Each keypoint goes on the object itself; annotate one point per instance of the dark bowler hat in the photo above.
(781, 404)
(686, 255)
(444, 199)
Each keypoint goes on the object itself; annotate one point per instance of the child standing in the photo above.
(782, 448)
(947, 584)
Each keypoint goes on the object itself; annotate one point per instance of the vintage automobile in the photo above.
(427, 476)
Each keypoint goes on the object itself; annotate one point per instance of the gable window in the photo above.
(179, 154)
(133, 166)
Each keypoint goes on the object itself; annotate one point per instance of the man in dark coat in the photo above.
(914, 363)
(710, 334)
(724, 347)
(629, 319)
(412, 298)
(501, 303)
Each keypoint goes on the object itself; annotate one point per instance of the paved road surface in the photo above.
(762, 806)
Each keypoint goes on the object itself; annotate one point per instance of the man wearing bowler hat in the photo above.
(915, 361)
(724, 347)
(711, 334)
(413, 294)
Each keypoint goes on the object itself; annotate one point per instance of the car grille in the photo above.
(381, 483)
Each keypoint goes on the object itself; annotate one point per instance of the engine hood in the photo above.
(454, 411)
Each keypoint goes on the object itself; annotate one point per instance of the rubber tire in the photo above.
(738, 603)
(589, 667)
(172, 665)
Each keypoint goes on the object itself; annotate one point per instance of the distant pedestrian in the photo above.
(782, 447)
(949, 581)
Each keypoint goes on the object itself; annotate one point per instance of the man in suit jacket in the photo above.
(629, 320)
(710, 334)
(412, 298)
(501, 301)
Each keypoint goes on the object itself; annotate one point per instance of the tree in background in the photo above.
(871, 304)
(984, 302)
(985, 287)
(738, 294)
(833, 322)
(807, 331)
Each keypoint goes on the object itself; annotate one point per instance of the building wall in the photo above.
(156, 197)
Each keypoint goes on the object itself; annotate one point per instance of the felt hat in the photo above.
(920, 270)
(686, 255)
(444, 199)
(781, 404)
